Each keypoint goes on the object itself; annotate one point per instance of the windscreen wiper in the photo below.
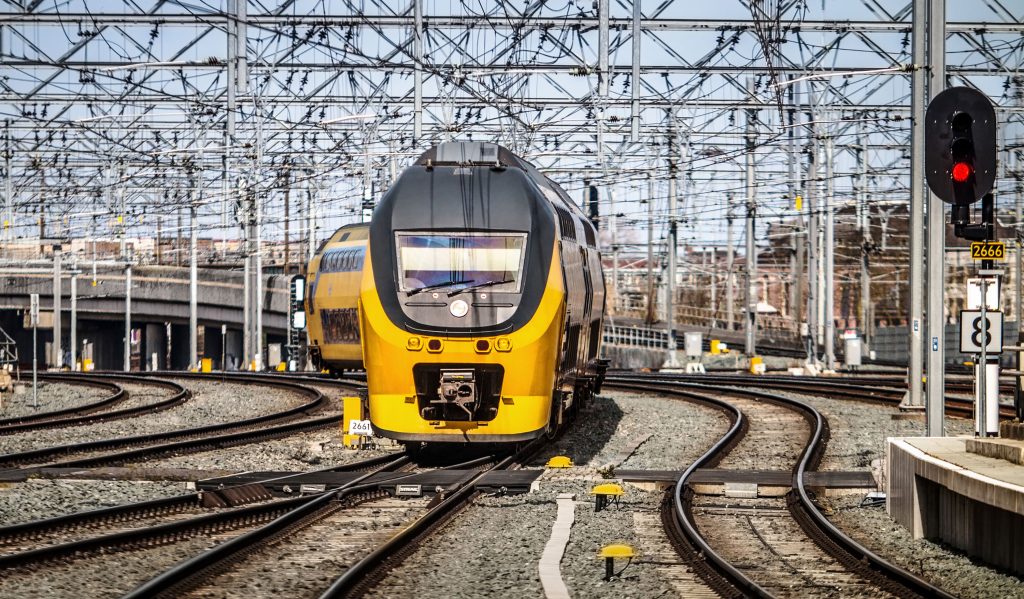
(438, 286)
(479, 285)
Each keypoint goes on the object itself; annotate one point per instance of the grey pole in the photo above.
(795, 266)
(750, 306)
(613, 225)
(650, 248)
(730, 257)
(634, 80)
(57, 355)
(127, 316)
(829, 257)
(417, 71)
(602, 73)
(1018, 210)
(810, 199)
(193, 289)
(915, 319)
(713, 279)
(670, 285)
(9, 189)
(1018, 206)
(936, 386)
(602, 48)
(865, 264)
(74, 317)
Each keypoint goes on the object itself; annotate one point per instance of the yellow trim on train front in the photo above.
(529, 370)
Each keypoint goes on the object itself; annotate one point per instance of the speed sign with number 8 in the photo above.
(974, 331)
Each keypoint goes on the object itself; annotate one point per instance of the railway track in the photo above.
(769, 546)
(98, 411)
(118, 451)
(152, 523)
(888, 391)
(346, 521)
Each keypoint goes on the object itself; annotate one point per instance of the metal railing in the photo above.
(8, 350)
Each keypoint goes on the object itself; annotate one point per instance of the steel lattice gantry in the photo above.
(286, 119)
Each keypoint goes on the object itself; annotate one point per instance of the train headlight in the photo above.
(459, 308)
(503, 344)
(414, 344)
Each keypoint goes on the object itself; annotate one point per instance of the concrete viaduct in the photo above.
(159, 314)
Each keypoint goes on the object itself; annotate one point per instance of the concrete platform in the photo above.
(938, 490)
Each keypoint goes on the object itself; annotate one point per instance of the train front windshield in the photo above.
(453, 261)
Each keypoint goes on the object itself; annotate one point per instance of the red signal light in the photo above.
(961, 172)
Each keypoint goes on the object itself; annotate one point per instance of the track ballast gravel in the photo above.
(858, 438)
(212, 402)
(493, 548)
(52, 397)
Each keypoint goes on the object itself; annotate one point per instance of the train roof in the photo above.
(481, 153)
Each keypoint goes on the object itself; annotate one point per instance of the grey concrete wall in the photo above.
(935, 511)
(159, 294)
(892, 343)
(622, 356)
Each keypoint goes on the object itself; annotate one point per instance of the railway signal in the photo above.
(960, 145)
(296, 320)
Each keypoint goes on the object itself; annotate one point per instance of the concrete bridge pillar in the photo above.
(179, 347)
(233, 349)
(154, 341)
(213, 345)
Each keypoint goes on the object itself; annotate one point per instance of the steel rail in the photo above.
(723, 577)
(368, 571)
(146, 509)
(886, 391)
(87, 414)
(184, 576)
(829, 537)
(173, 531)
(191, 439)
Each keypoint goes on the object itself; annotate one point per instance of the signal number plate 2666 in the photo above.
(988, 250)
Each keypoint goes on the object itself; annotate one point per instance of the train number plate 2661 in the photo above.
(988, 250)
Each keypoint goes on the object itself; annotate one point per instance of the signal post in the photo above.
(960, 167)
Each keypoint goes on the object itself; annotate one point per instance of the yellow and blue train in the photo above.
(481, 302)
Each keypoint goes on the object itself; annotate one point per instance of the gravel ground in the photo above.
(211, 403)
(858, 438)
(316, 449)
(499, 560)
(36, 499)
(859, 430)
(612, 426)
(945, 567)
(102, 576)
(52, 397)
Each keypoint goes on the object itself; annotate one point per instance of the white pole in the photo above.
(193, 291)
(57, 358)
(127, 317)
(74, 318)
(829, 256)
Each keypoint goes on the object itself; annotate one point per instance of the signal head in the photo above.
(961, 172)
(960, 147)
